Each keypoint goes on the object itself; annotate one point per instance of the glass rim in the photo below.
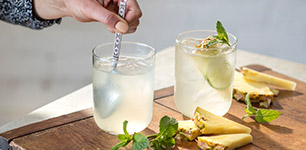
(204, 30)
(124, 42)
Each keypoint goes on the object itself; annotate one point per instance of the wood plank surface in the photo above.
(79, 131)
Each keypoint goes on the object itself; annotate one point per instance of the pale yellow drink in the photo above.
(126, 92)
(124, 95)
(203, 77)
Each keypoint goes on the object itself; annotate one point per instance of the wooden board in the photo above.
(79, 131)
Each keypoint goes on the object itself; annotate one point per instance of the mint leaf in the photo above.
(245, 116)
(124, 129)
(161, 141)
(167, 126)
(168, 142)
(167, 129)
(124, 138)
(266, 115)
(121, 144)
(249, 113)
(222, 33)
(212, 43)
(140, 142)
(261, 115)
(217, 37)
(121, 137)
(251, 110)
(156, 145)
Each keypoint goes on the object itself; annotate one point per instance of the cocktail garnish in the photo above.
(222, 35)
(261, 115)
(163, 140)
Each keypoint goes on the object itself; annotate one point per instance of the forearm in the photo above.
(37, 13)
(20, 12)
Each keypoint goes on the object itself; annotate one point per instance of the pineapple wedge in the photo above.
(265, 78)
(259, 92)
(188, 129)
(210, 123)
(224, 142)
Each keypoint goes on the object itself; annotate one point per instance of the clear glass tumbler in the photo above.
(125, 93)
(203, 77)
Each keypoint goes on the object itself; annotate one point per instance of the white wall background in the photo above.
(37, 67)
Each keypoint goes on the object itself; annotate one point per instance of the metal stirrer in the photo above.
(111, 98)
(118, 36)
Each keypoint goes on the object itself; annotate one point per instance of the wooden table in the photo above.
(79, 131)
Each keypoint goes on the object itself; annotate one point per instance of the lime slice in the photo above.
(216, 70)
(219, 73)
(200, 62)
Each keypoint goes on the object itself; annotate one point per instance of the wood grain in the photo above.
(50, 123)
(79, 131)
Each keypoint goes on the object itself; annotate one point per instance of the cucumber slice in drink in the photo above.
(200, 62)
(219, 73)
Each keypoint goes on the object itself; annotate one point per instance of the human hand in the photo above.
(104, 11)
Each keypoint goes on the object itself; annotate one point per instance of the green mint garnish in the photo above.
(140, 141)
(161, 141)
(222, 35)
(124, 138)
(261, 115)
(167, 129)
(212, 43)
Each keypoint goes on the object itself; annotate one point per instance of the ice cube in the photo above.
(189, 41)
(106, 99)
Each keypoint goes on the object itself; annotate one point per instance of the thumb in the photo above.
(110, 19)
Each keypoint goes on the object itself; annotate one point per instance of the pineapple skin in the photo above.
(188, 129)
(254, 97)
(259, 92)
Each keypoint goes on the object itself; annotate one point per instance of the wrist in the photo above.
(49, 9)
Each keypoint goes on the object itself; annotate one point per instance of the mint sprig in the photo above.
(222, 35)
(212, 43)
(140, 142)
(161, 141)
(261, 115)
(167, 129)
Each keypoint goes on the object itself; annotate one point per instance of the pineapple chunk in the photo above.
(224, 142)
(210, 123)
(188, 129)
(259, 92)
(265, 78)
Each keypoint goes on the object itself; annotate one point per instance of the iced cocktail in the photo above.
(204, 72)
(125, 93)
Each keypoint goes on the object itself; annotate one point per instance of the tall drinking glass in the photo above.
(203, 77)
(125, 93)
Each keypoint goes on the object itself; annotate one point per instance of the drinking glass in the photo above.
(125, 93)
(203, 77)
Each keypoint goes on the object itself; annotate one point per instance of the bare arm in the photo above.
(104, 11)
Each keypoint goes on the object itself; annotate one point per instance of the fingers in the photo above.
(109, 18)
(133, 11)
(133, 26)
(133, 15)
(111, 30)
(105, 11)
